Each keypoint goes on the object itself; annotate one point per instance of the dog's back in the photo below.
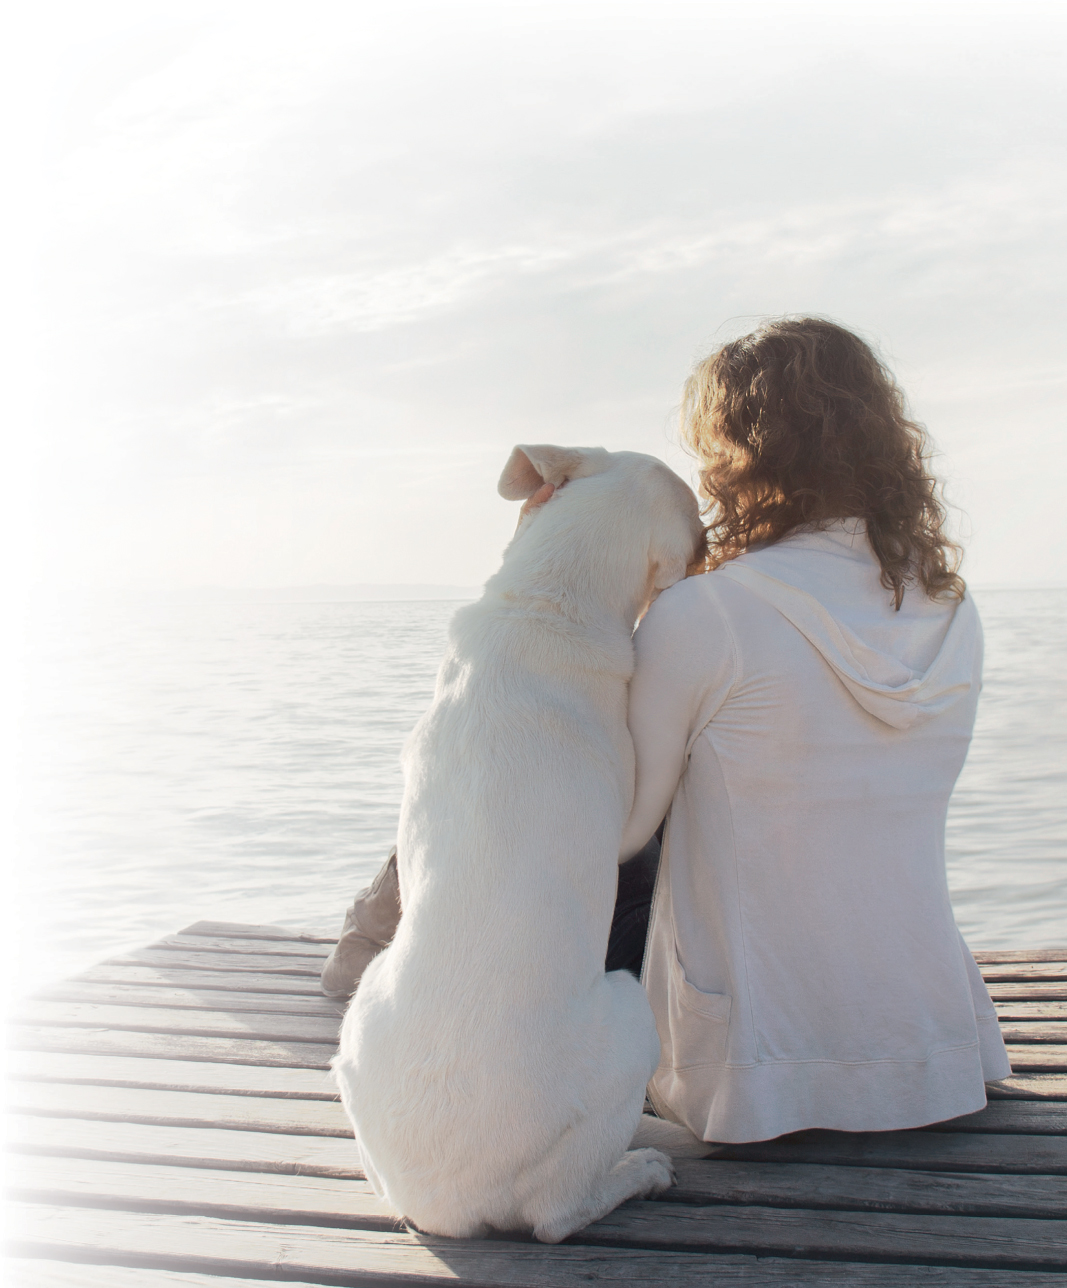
(493, 1072)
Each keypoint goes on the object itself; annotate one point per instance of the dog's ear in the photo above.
(529, 467)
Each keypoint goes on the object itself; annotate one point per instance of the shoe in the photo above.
(370, 925)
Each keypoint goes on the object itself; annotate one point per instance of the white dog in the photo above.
(493, 1072)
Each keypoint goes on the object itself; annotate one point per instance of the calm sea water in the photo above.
(238, 761)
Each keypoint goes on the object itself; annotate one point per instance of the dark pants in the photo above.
(633, 904)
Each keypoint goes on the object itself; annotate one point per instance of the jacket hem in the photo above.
(739, 1104)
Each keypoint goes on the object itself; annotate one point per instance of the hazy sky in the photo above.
(296, 277)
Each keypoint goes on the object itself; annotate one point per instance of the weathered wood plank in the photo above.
(37, 1272)
(866, 1189)
(1026, 1117)
(238, 947)
(306, 986)
(259, 963)
(62, 1005)
(238, 1196)
(1021, 1022)
(1028, 992)
(1030, 1086)
(201, 1107)
(943, 1151)
(1026, 1011)
(264, 1026)
(1016, 1242)
(182, 1108)
(186, 999)
(317, 1200)
(355, 1257)
(1035, 1031)
(991, 955)
(1036, 1057)
(238, 930)
(217, 1050)
(228, 931)
(1024, 971)
(171, 1075)
(930, 1151)
(239, 1151)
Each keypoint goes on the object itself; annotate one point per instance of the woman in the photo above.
(802, 710)
(800, 713)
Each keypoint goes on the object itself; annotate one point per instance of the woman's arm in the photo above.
(684, 667)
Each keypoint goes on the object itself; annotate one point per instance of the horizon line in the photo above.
(367, 590)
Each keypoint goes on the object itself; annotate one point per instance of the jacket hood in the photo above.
(902, 667)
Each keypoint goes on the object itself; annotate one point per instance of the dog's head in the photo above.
(630, 506)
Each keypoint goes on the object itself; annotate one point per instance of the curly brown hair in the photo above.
(799, 423)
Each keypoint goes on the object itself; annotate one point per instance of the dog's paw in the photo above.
(671, 1138)
(659, 1171)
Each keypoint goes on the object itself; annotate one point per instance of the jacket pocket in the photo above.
(699, 1021)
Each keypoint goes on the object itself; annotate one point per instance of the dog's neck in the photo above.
(572, 562)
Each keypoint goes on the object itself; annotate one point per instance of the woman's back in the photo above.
(803, 962)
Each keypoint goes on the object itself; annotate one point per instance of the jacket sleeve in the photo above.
(685, 666)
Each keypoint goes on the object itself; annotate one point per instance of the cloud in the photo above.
(293, 266)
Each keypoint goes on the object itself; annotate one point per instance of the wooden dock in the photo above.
(173, 1124)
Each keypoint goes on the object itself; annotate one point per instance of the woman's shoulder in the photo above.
(704, 597)
(697, 595)
(691, 608)
(685, 639)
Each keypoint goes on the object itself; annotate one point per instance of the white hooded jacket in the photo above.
(803, 964)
